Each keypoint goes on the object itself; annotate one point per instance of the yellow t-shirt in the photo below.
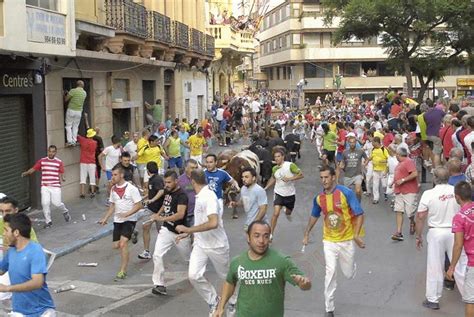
(379, 134)
(196, 144)
(151, 154)
(333, 127)
(142, 142)
(379, 159)
(186, 126)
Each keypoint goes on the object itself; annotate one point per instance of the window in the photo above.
(277, 17)
(383, 69)
(288, 40)
(269, 47)
(296, 39)
(458, 70)
(284, 72)
(290, 75)
(317, 70)
(280, 40)
(45, 4)
(283, 13)
(352, 69)
(275, 44)
(120, 90)
(263, 48)
(270, 73)
(278, 72)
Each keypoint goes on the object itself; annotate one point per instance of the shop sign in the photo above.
(16, 81)
(465, 81)
(45, 26)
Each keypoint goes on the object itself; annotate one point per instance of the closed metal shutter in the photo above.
(14, 149)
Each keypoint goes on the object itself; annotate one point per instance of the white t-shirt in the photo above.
(131, 147)
(468, 139)
(255, 106)
(220, 114)
(441, 205)
(112, 157)
(282, 188)
(392, 163)
(206, 205)
(403, 145)
(124, 197)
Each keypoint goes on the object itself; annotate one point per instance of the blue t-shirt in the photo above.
(453, 180)
(216, 180)
(183, 136)
(253, 198)
(21, 266)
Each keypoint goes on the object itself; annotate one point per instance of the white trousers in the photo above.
(441, 241)
(378, 177)
(73, 119)
(5, 280)
(369, 174)
(197, 267)
(51, 195)
(334, 252)
(390, 185)
(87, 170)
(164, 242)
(197, 158)
(47, 313)
(319, 142)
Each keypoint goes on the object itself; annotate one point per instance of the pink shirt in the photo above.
(50, 171)
(463, 221)
(403, 169)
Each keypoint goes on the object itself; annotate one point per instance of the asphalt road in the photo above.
(390, 281)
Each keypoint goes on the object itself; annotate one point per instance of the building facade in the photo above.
(127, 52)
(295, 44)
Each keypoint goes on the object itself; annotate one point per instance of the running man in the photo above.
(197, 144)
(52, 173)
(210, 242)
(252, 197)
(125, 202)
(261, 274)
(351, 164)
(343, 220)
(284, 175)
(217, 178)
(172, 214)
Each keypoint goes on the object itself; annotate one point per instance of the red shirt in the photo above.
(227, 115)
(207, 131)
(50, 171)
(403, 169)
(388, 139)
(462, 135)
(445, 134)
(341, 137)
(88, 147)
(395, 110)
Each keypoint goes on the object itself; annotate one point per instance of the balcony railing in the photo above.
(127, 16)
(210, 45)
(159, 27)
(229, 38)
(180, 35)
(197, 41)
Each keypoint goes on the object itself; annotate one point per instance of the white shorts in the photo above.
(468, 296)
(87, 170)
(405, 203)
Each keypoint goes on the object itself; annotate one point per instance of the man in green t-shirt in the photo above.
(262, 274)
(157, 112)
(75, 103)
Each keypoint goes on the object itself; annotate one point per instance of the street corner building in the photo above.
(126, 53)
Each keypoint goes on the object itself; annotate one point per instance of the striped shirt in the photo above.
(50, 171)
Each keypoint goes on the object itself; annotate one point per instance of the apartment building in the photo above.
(127, 52)
(295, 44)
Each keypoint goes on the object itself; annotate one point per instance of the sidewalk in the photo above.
(65, 237)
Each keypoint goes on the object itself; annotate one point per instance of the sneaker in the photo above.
(134, 237)
(145, 255)
(213, 307)
(231, 310)
(67, 216)
(48, 225)
(107, 203)
(82, 196)
(375, 202)
(367, 193)
(329, 314)
(397, 236)
(120, 276)
(430, 305)
(92, 195)
(159, 290)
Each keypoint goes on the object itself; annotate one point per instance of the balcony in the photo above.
(227, 38)
(197, 41)
(127, 17)
(159, 28)
(180, 37)
(210, 45)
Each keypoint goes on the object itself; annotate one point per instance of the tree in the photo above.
(421, 37)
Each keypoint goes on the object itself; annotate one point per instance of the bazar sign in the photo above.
(45, 26)
(465, 81)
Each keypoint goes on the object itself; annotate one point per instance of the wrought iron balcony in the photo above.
(210, 45)
(197, 41)
(159, 27)
(127, 17)
(180, 35)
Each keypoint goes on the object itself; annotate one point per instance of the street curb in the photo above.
(80, 243)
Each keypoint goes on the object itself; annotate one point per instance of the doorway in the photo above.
(68, 84)
(121, 121)
(148, 93)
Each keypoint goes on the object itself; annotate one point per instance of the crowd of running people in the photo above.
(384, 150)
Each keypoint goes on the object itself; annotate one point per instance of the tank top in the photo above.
(174, 147)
